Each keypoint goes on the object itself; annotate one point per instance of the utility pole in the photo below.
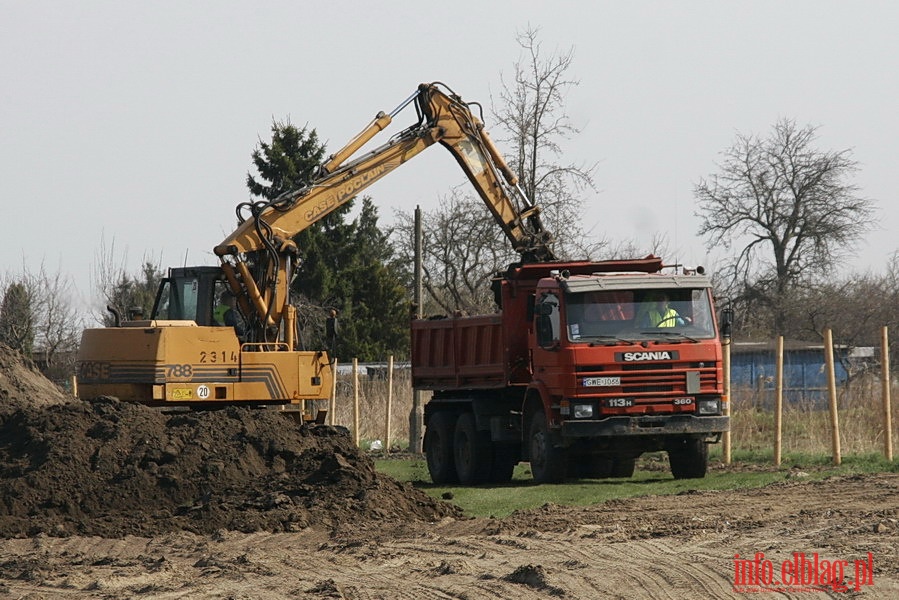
(416, 417)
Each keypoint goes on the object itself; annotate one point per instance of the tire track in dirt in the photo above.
(650, 547)
(570, 564)
(664, 568)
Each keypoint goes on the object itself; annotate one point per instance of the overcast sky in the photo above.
(131, 124)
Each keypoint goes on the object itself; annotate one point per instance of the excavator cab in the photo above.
(189, 294)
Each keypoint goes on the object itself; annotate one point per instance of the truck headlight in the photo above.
(709, 407)
(582, 411)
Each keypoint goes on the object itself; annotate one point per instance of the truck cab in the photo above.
(636, 345)
(627, 364)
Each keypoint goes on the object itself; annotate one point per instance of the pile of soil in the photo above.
(111, 469)
(22, 384)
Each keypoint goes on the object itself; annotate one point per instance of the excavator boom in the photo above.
(443, 118)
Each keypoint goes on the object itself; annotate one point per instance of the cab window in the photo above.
(547, 320)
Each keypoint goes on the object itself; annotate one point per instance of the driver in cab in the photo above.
(659, 314)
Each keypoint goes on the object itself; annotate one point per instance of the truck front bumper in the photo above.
(645, 425)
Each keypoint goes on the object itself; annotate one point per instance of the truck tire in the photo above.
(623, 467)
(472, 451)
(548, 462)
(438, 446)
(689, 459)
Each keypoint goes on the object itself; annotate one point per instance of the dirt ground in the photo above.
(107, 500)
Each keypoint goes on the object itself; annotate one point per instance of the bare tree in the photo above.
(531, 108)
(41, 319)
(120, 289)
(463, 248)
(855, 308)
(788, 209)
(58, 323)
(625, 249)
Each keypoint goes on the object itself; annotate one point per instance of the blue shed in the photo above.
(753, 367)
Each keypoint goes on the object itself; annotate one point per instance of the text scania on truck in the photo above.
(587, 366)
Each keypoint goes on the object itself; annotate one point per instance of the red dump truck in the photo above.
(586, 366)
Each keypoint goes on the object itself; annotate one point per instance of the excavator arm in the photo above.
(258, 258)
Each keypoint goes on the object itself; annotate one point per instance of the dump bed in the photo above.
(459, 353)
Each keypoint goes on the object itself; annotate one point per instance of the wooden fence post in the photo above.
(887, 413)
(389, 404)
(332, 401)
(832, 391)
(356, 436)
(416, 415)
(778, 400)
(725, 438)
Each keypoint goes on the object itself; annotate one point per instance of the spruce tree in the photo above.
(16, 322)
(346, 265)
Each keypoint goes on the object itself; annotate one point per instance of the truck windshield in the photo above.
(639, 314)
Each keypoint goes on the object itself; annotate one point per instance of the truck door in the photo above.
(548, 356)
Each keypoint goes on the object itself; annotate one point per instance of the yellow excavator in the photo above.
(180, 355)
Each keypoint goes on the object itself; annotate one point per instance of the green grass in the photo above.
(871, 462)
(749, 470)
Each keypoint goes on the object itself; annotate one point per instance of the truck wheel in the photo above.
(438, 445)
(689, 459)
(472, 451)
(505, 457)
(548, 462)
(623, 467)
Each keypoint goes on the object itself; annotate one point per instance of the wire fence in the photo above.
(806, 423)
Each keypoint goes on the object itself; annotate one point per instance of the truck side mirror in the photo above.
(727, 322)
(544, 331)
(546, 324)
(544, 309)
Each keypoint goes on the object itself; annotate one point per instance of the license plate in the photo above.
(601, 381)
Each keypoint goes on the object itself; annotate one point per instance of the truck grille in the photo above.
(649, 380)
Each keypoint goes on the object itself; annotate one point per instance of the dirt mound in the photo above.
(110, 468)
(22, 384)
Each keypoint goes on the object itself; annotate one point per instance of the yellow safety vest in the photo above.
(669, 319)
(218, 315)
